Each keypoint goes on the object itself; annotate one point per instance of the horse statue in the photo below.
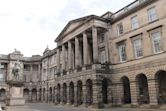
(16, 71)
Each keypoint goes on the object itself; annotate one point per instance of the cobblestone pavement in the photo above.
(47, 107)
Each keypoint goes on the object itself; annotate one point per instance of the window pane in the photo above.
(152, 14)
(134, 22)
(157, 42)
(120, 29)
(138, 48)
(122, 53)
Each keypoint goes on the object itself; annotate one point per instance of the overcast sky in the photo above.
(31, 25)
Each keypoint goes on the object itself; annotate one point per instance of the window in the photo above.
(1, 77)
(138, 48)
(134, 22)
(156, 39)
(102, 56)
(120, 29)
(102, 38)
(122, 53)
(152, 15)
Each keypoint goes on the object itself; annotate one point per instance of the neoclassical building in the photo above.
(117, 59)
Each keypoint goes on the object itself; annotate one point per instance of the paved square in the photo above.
(47, 107)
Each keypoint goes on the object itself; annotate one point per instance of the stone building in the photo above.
(117, 59)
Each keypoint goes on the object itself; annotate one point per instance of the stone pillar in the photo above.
(41, 95)
(85, 48)
(134, 94)
(63, 57)
(58, 60)
(106, 35)
(75, 95)
(95, 44)
(38, 96)
(68, 94)
(31, 73)
(30, 95)
(61, 94)
(152, 92)
(76, 52)
(55, 95)
(84, 94)
(39, 71)
(97, 95)
(69, 55)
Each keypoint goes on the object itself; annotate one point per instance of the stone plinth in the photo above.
(15, 94)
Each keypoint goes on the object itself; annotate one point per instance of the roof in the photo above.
(80, 22)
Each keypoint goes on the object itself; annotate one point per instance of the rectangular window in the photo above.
(134, 22)
(1, 77)
(102, 57)
(120, 29)
(122, 53)
(102, 38)
(152, 15)
(156, 39)
(138, 48)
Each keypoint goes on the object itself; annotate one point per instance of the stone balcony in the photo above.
(97, 68)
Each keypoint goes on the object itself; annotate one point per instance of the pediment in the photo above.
(72, 25)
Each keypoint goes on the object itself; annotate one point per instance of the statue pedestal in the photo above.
(15, 94)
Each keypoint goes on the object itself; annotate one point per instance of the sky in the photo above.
(31, 25)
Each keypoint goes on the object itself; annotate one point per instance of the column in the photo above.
(30, 95)
(84, 93)
(55, 95)
(106, 35)
(95, 44)
(133, 93)
(39, 72)
(75, 95)
(63, 57)
(85, 48)
(97, 95)
(69, 55)
(76, 52)
(68, 94)
(152, 92)
(38, 96)
(58, 60)
(31, 73)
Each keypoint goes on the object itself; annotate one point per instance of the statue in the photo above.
(16, 70)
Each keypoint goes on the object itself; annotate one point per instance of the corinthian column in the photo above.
(76, 52)
(85, 48)
(69, 55)
(58, 60)
(64, 57)
(95, 44)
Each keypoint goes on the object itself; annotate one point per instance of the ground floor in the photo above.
(147, 89)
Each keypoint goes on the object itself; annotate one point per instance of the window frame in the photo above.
(119, 27)
(153, 44)
(135, 49)
(120, 52)
(150, 18)
(134, 21)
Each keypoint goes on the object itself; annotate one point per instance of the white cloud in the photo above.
(31, 25)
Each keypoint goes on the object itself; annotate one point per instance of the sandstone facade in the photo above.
(100, 61)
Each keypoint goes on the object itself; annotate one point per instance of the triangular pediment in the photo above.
(72, 25)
